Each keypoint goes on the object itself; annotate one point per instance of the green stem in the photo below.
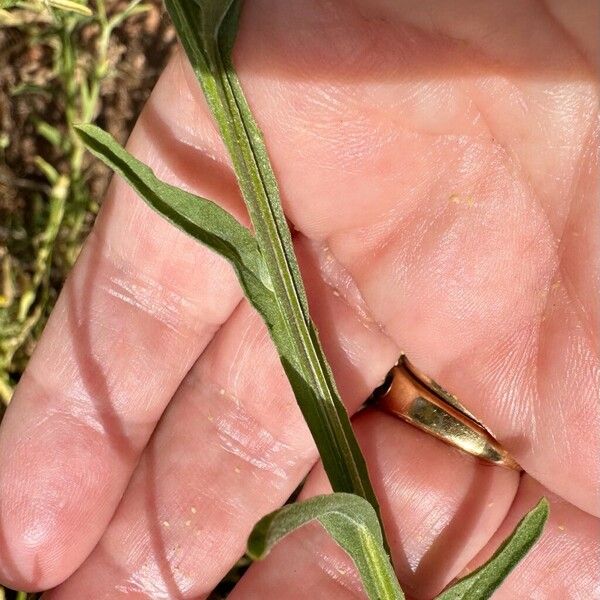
(208, 46)
(89, 102)
(275, 242)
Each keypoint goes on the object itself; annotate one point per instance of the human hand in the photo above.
(440, 172)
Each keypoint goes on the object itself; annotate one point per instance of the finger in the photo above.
(439, 508)
(460, 206)
(565, 562)
(231, 446)
(139, 307)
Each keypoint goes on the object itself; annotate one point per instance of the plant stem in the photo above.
(207, 32)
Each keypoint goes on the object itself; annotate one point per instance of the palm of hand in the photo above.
(441, 178)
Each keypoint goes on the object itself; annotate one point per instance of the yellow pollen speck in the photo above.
(193, 509)
(237, 470)
(166, 524)
(188, 523)
(222, 392)
(490, 505)
(336, 293)
(468, 200)
(561, 527)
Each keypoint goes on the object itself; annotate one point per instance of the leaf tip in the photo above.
(542, 508)
(257, 547)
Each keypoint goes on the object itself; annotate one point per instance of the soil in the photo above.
(138, 53)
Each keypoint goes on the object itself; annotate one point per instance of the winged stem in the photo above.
(207, 31)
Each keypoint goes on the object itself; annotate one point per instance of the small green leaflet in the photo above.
(202, 219)
(482, 583)
(69, 6)
(351, 522)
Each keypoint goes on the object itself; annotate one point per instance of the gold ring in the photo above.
(412, 396)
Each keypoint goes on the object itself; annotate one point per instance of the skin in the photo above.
(438, 163)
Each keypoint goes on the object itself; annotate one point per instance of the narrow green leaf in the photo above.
(202, 219)
(47, 169)
(50, 133)
(133, 8)
(207, 31)
(352, 523)
(482, 583)
(70, 6)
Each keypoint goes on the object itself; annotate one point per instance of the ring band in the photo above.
(412, 396)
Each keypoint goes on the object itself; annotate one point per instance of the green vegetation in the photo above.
(48, 192)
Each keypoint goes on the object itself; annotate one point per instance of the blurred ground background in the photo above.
(56, 69)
